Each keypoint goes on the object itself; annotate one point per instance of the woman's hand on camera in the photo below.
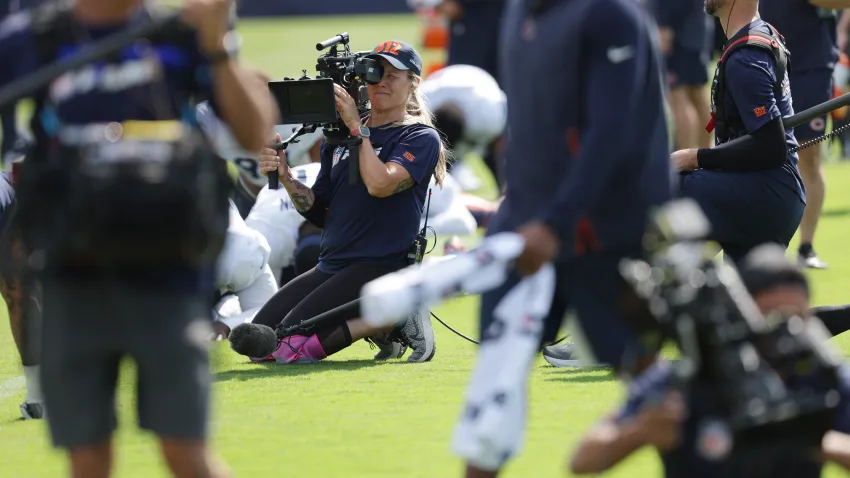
(347, 108)
(270, 160)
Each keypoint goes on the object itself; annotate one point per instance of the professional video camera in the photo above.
(312, 102)
(746, 366)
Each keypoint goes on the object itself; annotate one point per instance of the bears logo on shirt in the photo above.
(341, 153)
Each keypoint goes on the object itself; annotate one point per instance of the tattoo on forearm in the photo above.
(302, 196)
(404, 185)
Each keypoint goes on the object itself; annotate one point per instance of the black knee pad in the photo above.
(307, 253)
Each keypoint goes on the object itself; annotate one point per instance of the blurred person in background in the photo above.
(687, 36)
(474, 27)
(470, 110)
(809, 28)
(20, 292)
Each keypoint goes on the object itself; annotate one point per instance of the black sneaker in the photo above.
(564, 355)
(419, 335)
(388, 348)
(33, 411)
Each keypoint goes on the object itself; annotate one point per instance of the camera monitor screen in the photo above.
(305, 101)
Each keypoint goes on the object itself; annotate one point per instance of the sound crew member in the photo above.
(561, 153)
(160, 316)
(367, 228)
(809, 28)
(671, 425)
(748, 185)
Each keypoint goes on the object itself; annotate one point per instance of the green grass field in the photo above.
(350, 417)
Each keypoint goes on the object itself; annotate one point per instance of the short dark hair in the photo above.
(766, 267)
(450, 122)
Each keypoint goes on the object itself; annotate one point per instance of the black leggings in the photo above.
(315, 292)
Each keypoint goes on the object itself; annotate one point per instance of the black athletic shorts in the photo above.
(91, 325)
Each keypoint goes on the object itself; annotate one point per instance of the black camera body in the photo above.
(311, 101)
(747, 366)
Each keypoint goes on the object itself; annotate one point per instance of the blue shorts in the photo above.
(687, 68)
(591, 286)
(810, 88)
(744, 209)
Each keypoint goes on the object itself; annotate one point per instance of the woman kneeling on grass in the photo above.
(368, 227)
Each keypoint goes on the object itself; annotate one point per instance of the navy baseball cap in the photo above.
(400, 55)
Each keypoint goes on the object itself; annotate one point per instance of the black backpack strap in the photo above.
(772, 43)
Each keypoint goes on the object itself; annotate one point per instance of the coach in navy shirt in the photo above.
(809, 29)
(153, 315)
(748, 185)
(368, 228)
(655, 415)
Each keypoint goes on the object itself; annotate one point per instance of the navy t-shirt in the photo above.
(685, 461)
(360, 227)
(809, 32)
(145, 82)
(750, 103)
(693, 28)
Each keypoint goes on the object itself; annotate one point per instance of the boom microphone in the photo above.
(253, 340)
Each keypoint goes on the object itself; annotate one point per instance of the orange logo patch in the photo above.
(408, 156)
(760, 111)
(391, 47)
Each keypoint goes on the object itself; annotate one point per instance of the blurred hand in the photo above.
(451, 10)
(347, 108)
(662, 422)
(270, 160)
(685, 159)
(541, 246)
(210, 18)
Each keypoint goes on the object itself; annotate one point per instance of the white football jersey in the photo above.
(476, 93)
(245, 254)
(229, 149)
(276, 218)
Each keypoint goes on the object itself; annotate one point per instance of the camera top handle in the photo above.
(333, 41)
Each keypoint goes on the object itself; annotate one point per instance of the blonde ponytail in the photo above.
(419, 113)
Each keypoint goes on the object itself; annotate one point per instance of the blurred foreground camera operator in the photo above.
(655, 415)
(368, 227)
(124, 210)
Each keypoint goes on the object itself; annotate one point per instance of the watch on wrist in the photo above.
(361, 131)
